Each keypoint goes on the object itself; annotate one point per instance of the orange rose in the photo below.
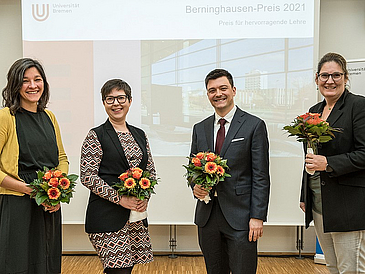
(65, 183)
(47, 175)
(211, 167)
(130, 183)
(53, 182)
(145, 183)
(123, 176)
(200, 156)
(304, 116)
(137, 169)
(196, 162)
(220, 170)
(136, 174)
(57, 173)
(314, 119)
(53, 193)
(211, 157)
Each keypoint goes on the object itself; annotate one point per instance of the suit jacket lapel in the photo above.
(114, 137)
(209, 132)
(337, 111)
(237, 122)
(319, 108)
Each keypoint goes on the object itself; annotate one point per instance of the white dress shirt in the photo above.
(228, 119)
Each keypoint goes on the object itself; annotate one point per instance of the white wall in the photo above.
(10, 36)
(342, 30)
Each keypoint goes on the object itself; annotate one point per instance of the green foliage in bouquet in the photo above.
(136, 182)
(53, 187)
(206, 169)
(311, 128)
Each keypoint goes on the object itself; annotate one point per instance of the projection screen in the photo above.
(164, 49)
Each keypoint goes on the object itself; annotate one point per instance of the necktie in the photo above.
(220, 136)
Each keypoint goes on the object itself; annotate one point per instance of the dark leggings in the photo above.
(127, 270)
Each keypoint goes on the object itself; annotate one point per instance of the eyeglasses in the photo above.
(121, 99)
(336, 76)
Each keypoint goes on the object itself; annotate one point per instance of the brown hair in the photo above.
(334, 57)
(119, 85)
(11, 92)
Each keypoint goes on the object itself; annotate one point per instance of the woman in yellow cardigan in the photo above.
(30, 235)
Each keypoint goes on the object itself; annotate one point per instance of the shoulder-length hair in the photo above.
(11, 92)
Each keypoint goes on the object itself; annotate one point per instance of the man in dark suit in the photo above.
(230, 224)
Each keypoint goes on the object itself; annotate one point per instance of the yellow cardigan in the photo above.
(9, 148)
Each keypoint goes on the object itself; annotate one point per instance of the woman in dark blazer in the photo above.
(107, 151)
(335, 195)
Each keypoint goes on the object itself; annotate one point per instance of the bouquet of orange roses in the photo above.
(138, 183)
(53, 187)
(206, 169)
(312, 129)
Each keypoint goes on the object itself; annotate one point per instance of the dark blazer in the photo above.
(103, 215)
(343, 190)
(245, 195)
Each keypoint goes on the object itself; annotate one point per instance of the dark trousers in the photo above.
(225, 249)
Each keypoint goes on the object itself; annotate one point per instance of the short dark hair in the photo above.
(119, 84)
(11, 92)
(334, 57)
(217, 73)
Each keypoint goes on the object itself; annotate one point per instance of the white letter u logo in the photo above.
(40, 15)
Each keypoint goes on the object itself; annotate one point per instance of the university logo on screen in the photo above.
(40, 12)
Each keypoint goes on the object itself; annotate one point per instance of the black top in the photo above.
(113, 162)
(37, 143)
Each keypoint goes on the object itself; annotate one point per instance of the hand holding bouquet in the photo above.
(206, 169)
(138, 183)
(53, 187)
(310, 128)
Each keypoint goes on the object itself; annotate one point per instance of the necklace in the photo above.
(329, 108)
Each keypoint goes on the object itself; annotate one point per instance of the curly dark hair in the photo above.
(11, 92)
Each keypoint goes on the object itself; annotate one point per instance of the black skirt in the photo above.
(30, 238)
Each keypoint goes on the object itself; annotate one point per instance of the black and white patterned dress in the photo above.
(131, 244)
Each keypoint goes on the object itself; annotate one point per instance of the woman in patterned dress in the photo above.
(107, 151)
(30, 235)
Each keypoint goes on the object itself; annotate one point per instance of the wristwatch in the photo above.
(329, 168)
